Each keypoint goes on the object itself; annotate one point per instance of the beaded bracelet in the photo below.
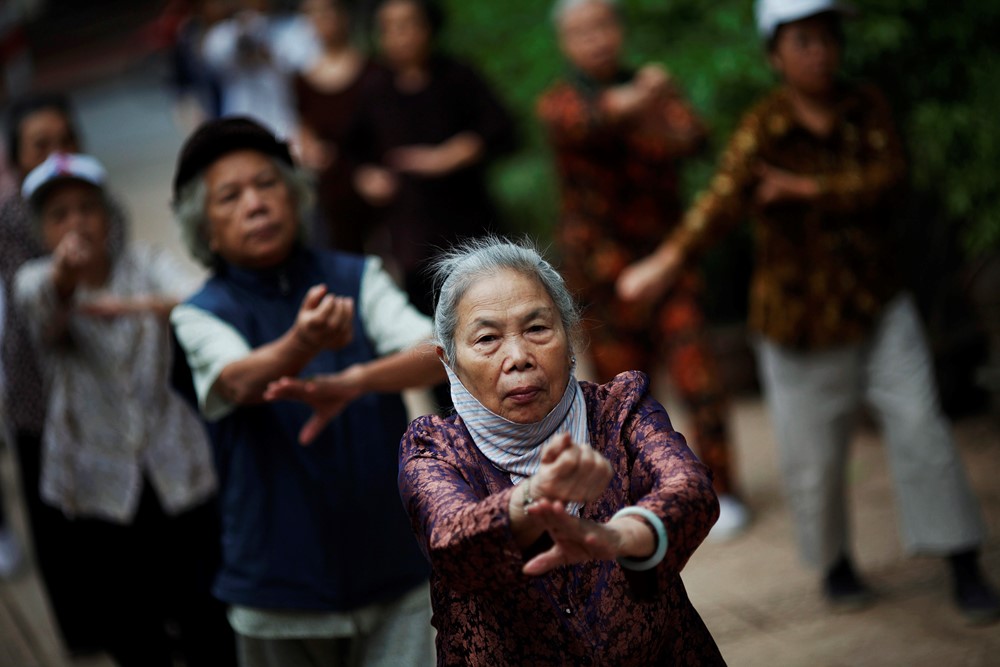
(661, 539)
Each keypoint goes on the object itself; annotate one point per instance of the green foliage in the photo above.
(937, 62)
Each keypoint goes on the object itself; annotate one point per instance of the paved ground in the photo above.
(760, 603)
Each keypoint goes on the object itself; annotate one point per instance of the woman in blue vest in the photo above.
(319, 564)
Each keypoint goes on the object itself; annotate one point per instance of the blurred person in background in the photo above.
(326, 97)
(818, 165)
(426, 130)
(37, 126)
(253, 55)
(124, 457)
(195, 85)
(11, 554)
(319, 566)
(618, 135)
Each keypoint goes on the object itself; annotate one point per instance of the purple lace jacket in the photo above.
(488, 613)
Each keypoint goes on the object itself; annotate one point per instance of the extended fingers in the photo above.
(313, 297)
(287, 388)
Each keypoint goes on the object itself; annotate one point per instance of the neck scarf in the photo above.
(516, 448)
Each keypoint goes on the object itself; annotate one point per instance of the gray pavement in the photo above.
(760, 603)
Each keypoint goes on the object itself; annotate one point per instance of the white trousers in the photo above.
(814, 399)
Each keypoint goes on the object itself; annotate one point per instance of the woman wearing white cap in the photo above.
(123, 456)
(816, 165)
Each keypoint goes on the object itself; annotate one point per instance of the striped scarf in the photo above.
(516, 448)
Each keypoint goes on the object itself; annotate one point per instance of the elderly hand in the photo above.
(575, 540)
(325, 321)
(327, 395)
(377, 185)
(650, 84)
(777, 185)
(579, 540)
(570, 473)
(434, 161)
(649, 278)
(70, 259)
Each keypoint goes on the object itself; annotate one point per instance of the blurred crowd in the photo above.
(210, 467)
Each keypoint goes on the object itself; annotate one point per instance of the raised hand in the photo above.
(70, 260)
(571, 473)
(325, 321)
(377, 185)
(777, 185)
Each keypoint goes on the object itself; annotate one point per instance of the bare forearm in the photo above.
(244, 381)
(465, 149)
(415, 367)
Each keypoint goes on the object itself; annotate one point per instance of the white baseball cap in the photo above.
(60, 167)
(773, 13)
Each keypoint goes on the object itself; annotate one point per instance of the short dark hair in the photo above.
(833, 20)
(23, 107)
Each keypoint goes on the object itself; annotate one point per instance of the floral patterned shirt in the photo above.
(487, 612)
(824, 268)
(618, 179)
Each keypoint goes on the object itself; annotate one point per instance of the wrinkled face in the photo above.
(807, 54)
(328, 20)
(591, 38)
(511, 350)
(78, 208)
(250, 211)
(403, 33)
(43, 133)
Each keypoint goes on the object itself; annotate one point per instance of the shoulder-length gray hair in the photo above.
(189, 210)
(457, 269)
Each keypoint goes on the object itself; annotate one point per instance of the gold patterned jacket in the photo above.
(823, 268)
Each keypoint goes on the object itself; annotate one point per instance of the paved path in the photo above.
(760, 603)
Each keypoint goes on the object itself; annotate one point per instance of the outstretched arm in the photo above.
(324, 321)
(328, 395)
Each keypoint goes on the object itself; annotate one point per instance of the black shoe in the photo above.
(977, 601)
(844, 590)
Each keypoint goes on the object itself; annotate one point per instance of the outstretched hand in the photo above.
(778, 185)
(575, 540)
(327, 395)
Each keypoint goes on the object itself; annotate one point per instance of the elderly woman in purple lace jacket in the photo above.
(556, 514)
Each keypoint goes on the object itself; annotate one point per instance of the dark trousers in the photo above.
(51, 535)
(155, 574)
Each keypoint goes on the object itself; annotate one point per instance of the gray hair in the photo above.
(562, 7)
(457, 269)
(189, 210)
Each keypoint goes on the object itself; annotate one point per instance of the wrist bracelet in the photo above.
(528, 498)
(661, 539)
